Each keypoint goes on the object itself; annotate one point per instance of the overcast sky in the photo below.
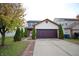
(41, 9)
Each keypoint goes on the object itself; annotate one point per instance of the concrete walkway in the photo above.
(55, 47)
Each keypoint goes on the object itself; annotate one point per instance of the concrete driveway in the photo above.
(55, 47)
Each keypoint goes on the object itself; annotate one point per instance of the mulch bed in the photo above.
(29, 50)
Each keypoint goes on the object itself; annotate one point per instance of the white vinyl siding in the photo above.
(76, 27)
(77, 31)
(67, 31)
(45, 25)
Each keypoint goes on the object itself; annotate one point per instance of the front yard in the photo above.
(12, 48)
(73, 40)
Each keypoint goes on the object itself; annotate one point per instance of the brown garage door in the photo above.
(46, 33)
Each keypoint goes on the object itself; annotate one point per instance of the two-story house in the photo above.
(70, 26)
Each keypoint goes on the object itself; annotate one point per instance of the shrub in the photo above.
(22, 33)
(26, 32)
(76, 35)
(17, 36)
(61, 34)
(33, 34)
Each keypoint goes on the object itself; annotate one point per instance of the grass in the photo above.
(12, 48)
(73, 40)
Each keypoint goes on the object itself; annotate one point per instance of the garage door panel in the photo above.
(46, 33)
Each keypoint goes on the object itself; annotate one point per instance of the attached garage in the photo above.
(46, 29)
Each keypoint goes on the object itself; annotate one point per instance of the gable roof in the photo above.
(45, 20)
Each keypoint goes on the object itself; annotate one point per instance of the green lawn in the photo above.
(12, 48)
(73, 40)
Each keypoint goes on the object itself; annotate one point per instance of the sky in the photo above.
(42, 9)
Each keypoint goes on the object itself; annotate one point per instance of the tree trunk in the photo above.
(3, 39)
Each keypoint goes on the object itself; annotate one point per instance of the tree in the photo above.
(17, 36)
(61, 34)
(11, 16)
(33, 34)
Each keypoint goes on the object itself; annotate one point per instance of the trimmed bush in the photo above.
(17, 36)
(22, 33)
(26, 33)
(61, 34)
(33, 34)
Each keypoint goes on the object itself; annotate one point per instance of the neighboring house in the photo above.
(47, 29)
(30, 25)
(70, 26)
